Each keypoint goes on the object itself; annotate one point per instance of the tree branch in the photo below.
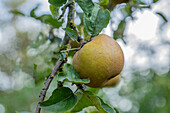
(64, 9)
(73, 49)
(70, 17)
(47, 84)
(58, 63)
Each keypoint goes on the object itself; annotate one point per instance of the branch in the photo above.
(73, 49)
(64, 9)
(58, 63)
(47, 83)
(70, 17)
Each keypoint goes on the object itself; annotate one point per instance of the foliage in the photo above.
(61, 100)
(47, 49)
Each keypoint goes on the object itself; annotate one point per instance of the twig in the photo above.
(82, 42)
(64, 9)
(77, 31)
(47, 83)
(73, 49)
(70, 17)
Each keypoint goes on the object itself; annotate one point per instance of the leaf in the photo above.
(32, 13)
(154, 1)
(103, 2)
(99, 20)
(16, 12)
(106, 106)
(102, 21)
(63, 56)
(61, 100)
(87, 6)
(82, 103)
(48, 19)
(95, 101)
(71, 33)
(70, 74)
(54, 10)
(89, 22)
(35, 67)
(57, 2)
(87, 99)
(120, 30)
(116, 110)
(162, 16)
(126, 10)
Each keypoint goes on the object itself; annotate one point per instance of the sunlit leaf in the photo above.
(57, 2)
(61, 100)
(103, 2)
(70, 74)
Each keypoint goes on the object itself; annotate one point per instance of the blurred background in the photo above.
(28, 54)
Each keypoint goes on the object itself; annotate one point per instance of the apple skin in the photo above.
(99, 60)
(113, 81)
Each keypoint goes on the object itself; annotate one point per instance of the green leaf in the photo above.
(103, 2)
(32, 13)
(61, 100)
(154, 1)
(95, 101)
(63, 56)
(126, 10)
(57, 2)
(82, 103)
(102, 21)
(48, 19)
(70, 74)
(106, 106)
(95, 18)
(162, 16)
(16, 12)
(87, 6)
(89, 22)
(120, 30)
(54, 10)
(98, 20)
(116, 110)
(71, 33)
(35, 67)
(87, 99)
